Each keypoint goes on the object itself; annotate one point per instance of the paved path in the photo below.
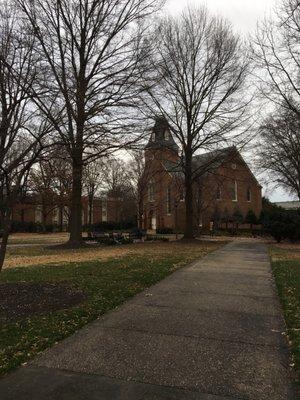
(211, 331)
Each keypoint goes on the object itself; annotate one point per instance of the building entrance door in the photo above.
(153, 223)
(152, 220)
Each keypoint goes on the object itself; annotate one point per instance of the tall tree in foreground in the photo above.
(201, 69)
(22, 132)
(279, 149)
(93, 53)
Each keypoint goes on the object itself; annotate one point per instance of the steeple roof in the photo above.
(161, 136)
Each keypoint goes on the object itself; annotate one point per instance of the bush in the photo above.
(281, 224)
(153, 238)
(31, 227)
(165, 231)
(111, 226)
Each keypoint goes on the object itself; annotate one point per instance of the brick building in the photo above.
(30, 209)
(225, 189)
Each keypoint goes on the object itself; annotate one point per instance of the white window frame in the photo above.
(104, 211)
(38, 214)
(166, 135)
(235, 192)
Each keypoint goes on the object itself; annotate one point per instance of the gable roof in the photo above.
(208, 162)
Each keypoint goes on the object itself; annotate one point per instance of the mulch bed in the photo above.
(21, 300)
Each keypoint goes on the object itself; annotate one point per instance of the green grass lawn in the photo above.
(106, 284)
(287, 276)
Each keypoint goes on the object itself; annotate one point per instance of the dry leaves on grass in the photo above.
(286, 251)
(191, 250)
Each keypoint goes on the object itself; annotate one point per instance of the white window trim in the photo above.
(235, 192)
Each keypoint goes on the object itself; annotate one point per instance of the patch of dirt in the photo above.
(21, 300)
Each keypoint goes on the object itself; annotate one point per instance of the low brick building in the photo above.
(225, 189)
(55, 212)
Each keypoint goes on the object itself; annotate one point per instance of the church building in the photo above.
(225, 189)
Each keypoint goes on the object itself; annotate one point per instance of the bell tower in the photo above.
(161, 145)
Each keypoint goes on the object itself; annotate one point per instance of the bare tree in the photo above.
(201, 68)
(279, 149)
(41, 183)
(93, 53)
(277, 50)
(92, 183)
(139, 179)
(21, 130)
(49, 184)
(118, 185)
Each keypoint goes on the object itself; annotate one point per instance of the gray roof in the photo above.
(158, 141)
(209, 161)
(202, 163)
(289, 205)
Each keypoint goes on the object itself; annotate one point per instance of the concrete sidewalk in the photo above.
(210, 331)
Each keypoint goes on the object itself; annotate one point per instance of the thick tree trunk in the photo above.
(189, 199)
(6, 232)
(90, 216)
(76, 206)
(44, 218)
(61, 218)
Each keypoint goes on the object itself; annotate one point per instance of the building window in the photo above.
(153, 137)
(104, 211)
(65, 215)
(167, 134)
(38, 215)
(91, 213)
(151, 191)
(218, 196)
(233, 191)
(55, 218)
(249, 195)
(169, 201)
(181, 195)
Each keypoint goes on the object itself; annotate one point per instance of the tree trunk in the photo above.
(6, 231)
(90, 216)
(44, 217)
(76, 206)
(61, 218)
(189, 214)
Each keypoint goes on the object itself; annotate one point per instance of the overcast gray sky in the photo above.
(243, 15)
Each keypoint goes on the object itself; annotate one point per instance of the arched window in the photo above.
(151, 191)
(153, 137)
(169, 201)
(167, 135)
(248, 194)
